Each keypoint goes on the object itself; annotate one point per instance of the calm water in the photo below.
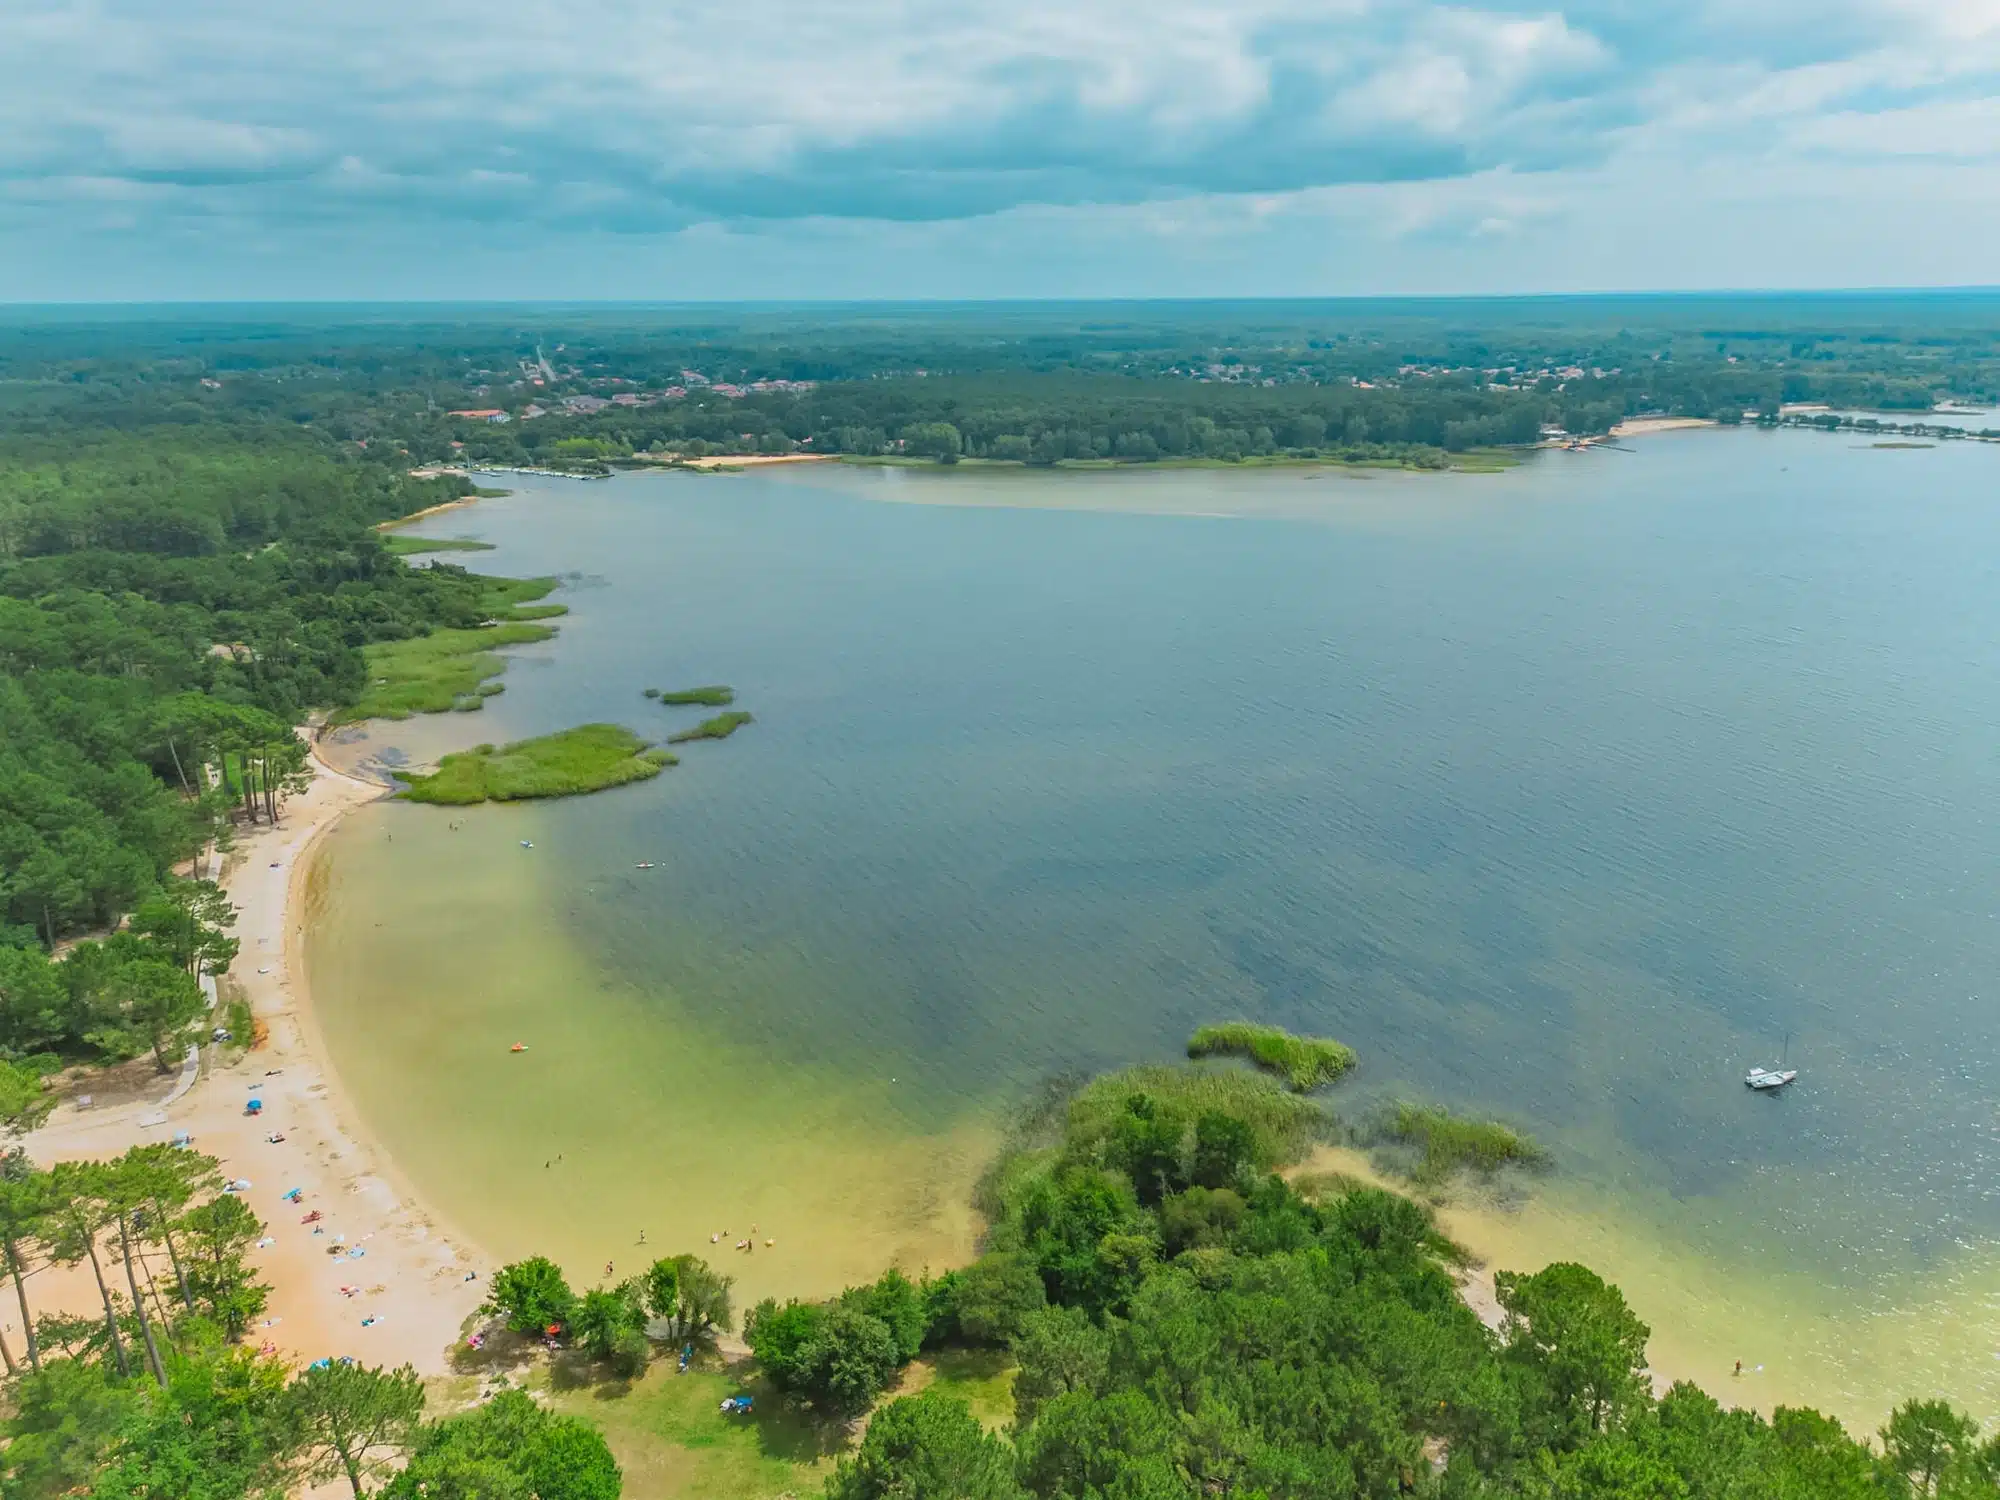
(1564, 794)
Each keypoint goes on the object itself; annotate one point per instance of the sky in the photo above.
(777, 149)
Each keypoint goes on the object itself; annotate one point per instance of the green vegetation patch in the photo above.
(588, 758)
(716, 696)
(721, 727)
(411, 546)
(448, 670)
(1304, 1062)
(1283, 1126)
(672, 1440)
(236, 1017)
(429, 674)
(1435, 1144)
(982, 1378)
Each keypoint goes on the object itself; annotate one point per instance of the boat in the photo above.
(1765, 1080)
(644, 864)
(518, 1047)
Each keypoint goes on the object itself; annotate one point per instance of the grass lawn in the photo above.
(569, 763)
(672, 1442)
(982, 1378)
(671, 1439)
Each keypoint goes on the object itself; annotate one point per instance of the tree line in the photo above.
(1187, 1320)
(161, 1397)
(172, 602)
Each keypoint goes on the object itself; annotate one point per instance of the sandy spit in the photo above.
(410, 1277)
(747, 460)
(1640, 426)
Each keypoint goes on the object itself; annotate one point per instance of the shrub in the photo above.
(996, 1295)
(531, 1295)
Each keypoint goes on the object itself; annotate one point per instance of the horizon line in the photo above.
(1275, 299)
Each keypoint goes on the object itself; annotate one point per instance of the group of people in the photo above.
(747, 1246)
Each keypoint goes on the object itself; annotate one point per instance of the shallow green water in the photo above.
(1564, 793)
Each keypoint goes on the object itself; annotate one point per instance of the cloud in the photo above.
(376, 121)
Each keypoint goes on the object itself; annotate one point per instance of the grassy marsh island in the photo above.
(412, 546)
(452, 668)
(715, 696)
(721, 727)
(570, 763)
(1304, 1062)
(1429, 1144)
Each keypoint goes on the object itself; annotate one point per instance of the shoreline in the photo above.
(1640, 426)
(709, 463)
(1463, 1223)
(412, 1274)
(431, 510)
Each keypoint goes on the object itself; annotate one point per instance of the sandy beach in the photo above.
(741, 460)
(1640, 426)
(430, 510)
(405, 1272)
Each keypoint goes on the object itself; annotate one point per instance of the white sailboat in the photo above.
(1766, 1079)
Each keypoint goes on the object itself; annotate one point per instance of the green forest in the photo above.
(191, 569)
(1175, 1315)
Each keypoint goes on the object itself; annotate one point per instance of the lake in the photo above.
(1563, 794)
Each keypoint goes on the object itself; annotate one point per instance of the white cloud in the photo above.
(1217, 126)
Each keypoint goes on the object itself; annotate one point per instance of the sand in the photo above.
(741, 460)
(411, 1275)
(1640, 426)
(430, 510)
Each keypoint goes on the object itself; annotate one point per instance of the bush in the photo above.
(996, 1294)
(927, 1447)
(898, 1304)
(1273, 1128)
(508, 1449)
(631, 1352)
(689, 1296)
(835, 1355)
(532, 1296)
(839, 1355)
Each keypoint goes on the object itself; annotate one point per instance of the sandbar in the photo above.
(1640, 426)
